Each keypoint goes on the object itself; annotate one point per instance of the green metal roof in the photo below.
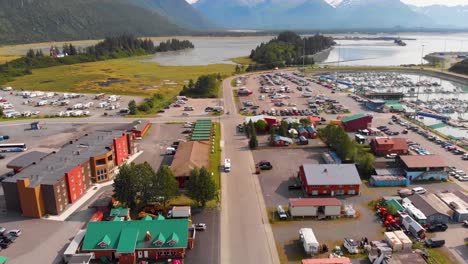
(353, 117)
(3, 259)
(147, 218)
(200, 139)
(105, 242)
(128, 235)
(127, 240)
(395, 204)
(160, 217)
(119, 211)
(117, 219)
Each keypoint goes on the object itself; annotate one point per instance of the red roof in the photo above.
(327, 261)
(298, 202)
(397, 143)
(314, 119)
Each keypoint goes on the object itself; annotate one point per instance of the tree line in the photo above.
(288, 48)
(174, 44)
(460, 67)
(110, 48)
(206, 86)
(347, 149)
(138, 185)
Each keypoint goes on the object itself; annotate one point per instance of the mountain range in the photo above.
(24, 21)
(329, 14)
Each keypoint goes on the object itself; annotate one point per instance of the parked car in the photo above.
(295, 186)
(391, 156)
(434, 243)
(437, 228)
(2, 230)
(200, 227)
(187, 131)
(282, 213)
(405, 192)
(465, 223)
(14, 232)
(265, 165)
(418, 190)
(404, 132)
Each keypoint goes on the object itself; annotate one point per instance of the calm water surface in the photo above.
(348, 52)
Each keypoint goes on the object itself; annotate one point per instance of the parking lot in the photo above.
(191, 107)
(36, 103)
(286, 94)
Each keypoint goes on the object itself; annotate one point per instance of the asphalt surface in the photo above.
(246, 236)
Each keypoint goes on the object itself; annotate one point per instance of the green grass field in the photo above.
(128, 76)
(243, 60)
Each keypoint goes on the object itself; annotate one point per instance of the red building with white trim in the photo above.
(329, 179)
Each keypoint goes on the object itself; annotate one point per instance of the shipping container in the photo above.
(405, 240)
(386, 181)
(393, 241)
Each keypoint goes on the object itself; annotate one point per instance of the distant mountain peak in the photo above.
(334, 3)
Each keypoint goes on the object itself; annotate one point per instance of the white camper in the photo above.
(310, 243)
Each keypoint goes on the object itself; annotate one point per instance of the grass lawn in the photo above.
(128, 76)
(243, 60)
(8, 57)
(215, 157)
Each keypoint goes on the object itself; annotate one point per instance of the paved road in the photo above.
(246, 235)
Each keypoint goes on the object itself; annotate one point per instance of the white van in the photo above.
(227, 165)
(170, 151)
(418, 190)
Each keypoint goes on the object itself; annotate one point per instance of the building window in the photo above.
(58, 189)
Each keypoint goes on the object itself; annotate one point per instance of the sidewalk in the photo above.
(88, 195)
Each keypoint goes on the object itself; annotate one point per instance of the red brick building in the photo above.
(382, 146)
(355, 122)
(330, 179)
(51, 183)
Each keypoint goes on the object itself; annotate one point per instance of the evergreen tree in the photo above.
(132, 107)
(201, 187)
(253, 141)
(72, 50)
(66, 49)
(31, 54)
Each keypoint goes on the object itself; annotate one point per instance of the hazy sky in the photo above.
(417, 2)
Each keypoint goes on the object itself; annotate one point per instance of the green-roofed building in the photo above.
(395, 204)
(3, 259)
(356, 122)
(120, 212)
(130, 241)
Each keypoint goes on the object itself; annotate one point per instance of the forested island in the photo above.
(460, 67)
(110, 48)
(288, 48)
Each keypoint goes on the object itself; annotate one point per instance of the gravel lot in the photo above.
(23, 105)
(198, 106)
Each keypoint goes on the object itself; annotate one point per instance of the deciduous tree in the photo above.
(201, 187)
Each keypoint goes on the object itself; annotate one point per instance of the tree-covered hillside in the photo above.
(460, 67)
(25, 21)
(288, 49)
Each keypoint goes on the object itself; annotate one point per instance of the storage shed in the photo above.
(312, 207)
(355, 122)
(393, 241)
